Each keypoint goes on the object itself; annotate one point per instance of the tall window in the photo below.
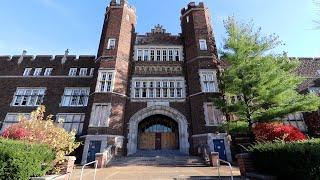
(164, 55)
(13, 118)
(37, 72)
(177, 55)
(111, 43)
(140, 54)
(100, 115)
(73, 72)
(48, 71)
(213, 116)
(146, 55)
(75, 97)
(152, 54)
(83, 72)
(158, 55)
(91, 71)
(27, 71)
(70, 122)
(105, 81)
(28, 97)
(203, 44)
(208, 81)
(170, 55)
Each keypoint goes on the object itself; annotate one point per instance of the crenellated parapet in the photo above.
(18, 59)
(192, 6)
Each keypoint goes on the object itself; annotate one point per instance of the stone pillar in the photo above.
(100, 160)
(214, 158)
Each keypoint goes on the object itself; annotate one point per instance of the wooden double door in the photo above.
(158, 141)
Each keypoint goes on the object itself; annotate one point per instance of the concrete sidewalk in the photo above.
(154, 172)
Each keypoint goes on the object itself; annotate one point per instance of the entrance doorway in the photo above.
(158, 132)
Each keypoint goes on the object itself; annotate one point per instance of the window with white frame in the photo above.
(75, 97)
(71, 121)
(177, 55)
(208, 80)
(13, 118)
(73, 71)
(111, 43)
(158, 54)
(28, 97)
(315, 90)
(83, 72)
(203, 44)
(146, 55)
(213, 116)
(140, 54)
(156, 88)
(37, 72)
(295, 117)
(164, 55)
(187, 19)
(100, 115)
(152, 51)
(105, 81)
(48, 71)
(27, 71)
(91, 71)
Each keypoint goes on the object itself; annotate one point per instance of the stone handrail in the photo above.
(105, 157)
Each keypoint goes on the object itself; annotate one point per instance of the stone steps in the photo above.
(174, 161)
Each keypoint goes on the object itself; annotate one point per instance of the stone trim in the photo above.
(153, 110)
(211, 136)
(104, 144)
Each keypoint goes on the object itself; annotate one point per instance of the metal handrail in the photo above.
(218, 163)
(95, 169)
(109, 154)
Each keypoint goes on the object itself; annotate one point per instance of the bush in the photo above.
(22, 160)
(288, 160)
(235, 127)
(41, 130)
(274, 131)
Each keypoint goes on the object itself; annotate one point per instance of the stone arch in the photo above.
(154, 110)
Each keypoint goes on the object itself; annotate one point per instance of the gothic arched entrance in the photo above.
(158, 132)
(139, 123)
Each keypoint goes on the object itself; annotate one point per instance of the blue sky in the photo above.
(51, 26)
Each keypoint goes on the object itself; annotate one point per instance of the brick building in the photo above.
(141, 92)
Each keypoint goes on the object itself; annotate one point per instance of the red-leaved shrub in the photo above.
(16, 131)
(274, 131)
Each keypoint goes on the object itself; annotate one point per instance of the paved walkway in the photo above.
(157, 173)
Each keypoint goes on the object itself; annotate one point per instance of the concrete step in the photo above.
(175, 161)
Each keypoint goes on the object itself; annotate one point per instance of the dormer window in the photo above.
(111, 43)
(203, 45)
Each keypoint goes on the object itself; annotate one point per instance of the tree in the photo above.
(43, 130)
(265, 83)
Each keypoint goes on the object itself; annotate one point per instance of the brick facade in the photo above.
(123, 60)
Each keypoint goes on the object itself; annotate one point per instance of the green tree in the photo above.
(264, 82)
